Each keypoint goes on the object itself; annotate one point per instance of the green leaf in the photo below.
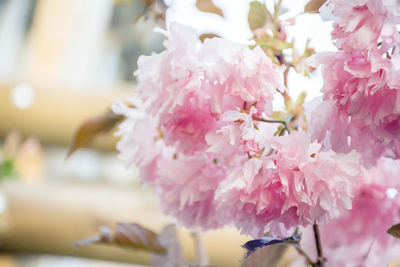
(394, 230)
(92, 127)
(257, 16)
(7, 169)
(129, 235)
(279, 115)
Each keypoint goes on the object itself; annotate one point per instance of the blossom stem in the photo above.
(269, 121)
(303, 253)
(320, 260)
(273, 121)
(201, 251)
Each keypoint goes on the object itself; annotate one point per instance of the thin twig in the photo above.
(285, 125)
(320, 259)
(268, 121)
(304, 254)
(286, 76)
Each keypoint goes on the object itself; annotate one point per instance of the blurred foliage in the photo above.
(92, 127)
(7, 169)
(313, 6)
(131, 29)
(257, 16)
(129, 235)
(164, 246)
(394, 230)
(208, 6)
(205, 36)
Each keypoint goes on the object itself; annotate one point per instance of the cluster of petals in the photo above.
(363, 237)
(198, 137)
(361, 81)
(298, 184)
(186, 97)
(188, 86)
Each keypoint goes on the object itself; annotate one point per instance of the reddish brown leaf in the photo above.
(313, 6)
(208, 6)
(394, 230)
(207, 35)
(91, 128)
(148, 3)
(130, 235)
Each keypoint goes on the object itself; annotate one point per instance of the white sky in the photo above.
(234, 27)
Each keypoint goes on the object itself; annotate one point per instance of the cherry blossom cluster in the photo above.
(363, 239)
(361, 81)
(203, 138)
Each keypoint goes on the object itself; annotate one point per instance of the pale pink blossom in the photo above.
(296, 185)
(360, 106)
(200, 141)
(360, 24)
(195, 122)
(363, 237)
(361, 90)
(188, 86)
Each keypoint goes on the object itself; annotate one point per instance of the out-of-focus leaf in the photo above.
(130, 235)
(148, 2)
(91, 128)
(257, 16)
(168, 238)
(274, 43)
(7, 169)
(313, 6)
(279, 115)
(207, 35)
(394, 230)
(208, 6)
(298, 106)
(252, 245)
(266, 256)
(11, 144)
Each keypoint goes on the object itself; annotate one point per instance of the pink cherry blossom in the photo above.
(297, 185)
(360, 109)
(361, 82)
(189, 96)
(362, 237)
(199, 139)
(188, 86)
(360, 24)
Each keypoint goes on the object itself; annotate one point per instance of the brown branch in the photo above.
(320, 259)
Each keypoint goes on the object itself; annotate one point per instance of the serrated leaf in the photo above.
(207, 35)
(257, 16)
(252, 245)
(129, 235)
(313, 6)
(209, 7)
(394, 230)
(93, 127)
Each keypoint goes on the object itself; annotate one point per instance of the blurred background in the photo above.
(63, 62)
